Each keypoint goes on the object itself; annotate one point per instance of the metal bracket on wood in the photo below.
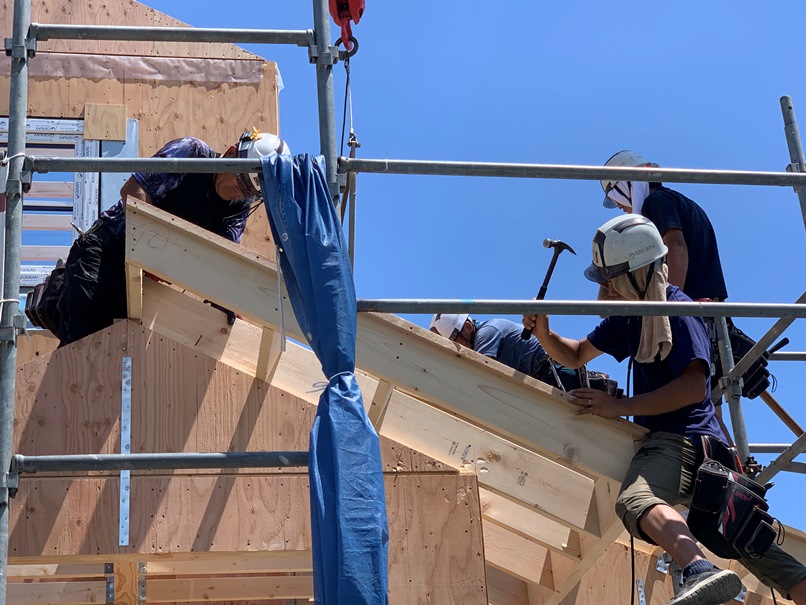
(662, 565)
(141, 583)
(109, 572)
(639, 584)
(742, 595)
(125, 448)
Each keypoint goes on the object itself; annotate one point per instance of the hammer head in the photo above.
(558, 245)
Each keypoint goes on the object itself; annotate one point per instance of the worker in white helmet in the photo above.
(693, 260)
(671, 398)
(94, 291)
(501, 340)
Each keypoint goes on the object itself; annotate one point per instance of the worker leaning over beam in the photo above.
(670, 358)
(501, 340)
(94, 292)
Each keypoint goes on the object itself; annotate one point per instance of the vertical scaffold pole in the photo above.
(18, 106)
(324, 89)
(795, 149)
(733, 390)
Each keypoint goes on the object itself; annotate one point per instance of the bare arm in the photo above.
(686, 389)
(131, 188)
(567, 351)
(677, 258)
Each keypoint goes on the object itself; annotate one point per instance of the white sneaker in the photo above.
(712, 587)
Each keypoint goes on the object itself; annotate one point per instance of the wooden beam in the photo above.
(504, 589)
(56, 570)
(529, 524)
(56, 593)
(267, 562)
(229, 589)
(592, 549)
(488, 393)
(380, 403)
(516, 555)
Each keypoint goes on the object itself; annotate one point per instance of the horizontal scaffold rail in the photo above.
(151, 462)
(581, 307)
(183, 165)
(170, 34)
(558, 171)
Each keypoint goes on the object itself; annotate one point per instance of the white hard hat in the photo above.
(254, 145)
(448, 325)
(624, 244)
(622, 158)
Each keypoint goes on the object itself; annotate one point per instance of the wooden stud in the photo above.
(46, 222)
(126, 577)
(269, 351)
(268, 562)
(44, 252)
(517, 556)
(134, 293)
(56, 593)
(380, 402)
(229, 589)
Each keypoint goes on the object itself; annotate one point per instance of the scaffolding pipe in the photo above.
(44, 32)
(154, 462)
(581, 307)
(326, 56)
(782, 461)
(757, 350)
(795, 149)
(768, 448)
(181, 165)
(788, 356)
(18, 106)
(733, 392)
(572, 172)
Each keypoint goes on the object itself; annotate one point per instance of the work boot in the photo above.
(712, 587)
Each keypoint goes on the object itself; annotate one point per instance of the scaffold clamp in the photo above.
(18, 51)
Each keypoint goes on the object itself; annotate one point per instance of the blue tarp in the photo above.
(350, 531)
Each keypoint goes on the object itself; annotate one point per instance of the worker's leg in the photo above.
(660, 476)
(779, 570)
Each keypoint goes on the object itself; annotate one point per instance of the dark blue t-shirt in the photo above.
(501, 340)
(669, 209)
(620, 337)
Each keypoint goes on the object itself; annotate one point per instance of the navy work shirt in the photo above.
(620, 337)
(668, 209)
(501, 340)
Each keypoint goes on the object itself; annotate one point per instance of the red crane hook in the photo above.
(344, 11)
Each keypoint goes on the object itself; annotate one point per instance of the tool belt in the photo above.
(728, 511)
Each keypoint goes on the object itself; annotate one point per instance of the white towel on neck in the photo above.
(656, 332)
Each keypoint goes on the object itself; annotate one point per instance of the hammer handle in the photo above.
(542, 292)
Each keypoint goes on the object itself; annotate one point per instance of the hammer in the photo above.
(558, 246)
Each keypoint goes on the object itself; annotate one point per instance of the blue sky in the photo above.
(687, 84)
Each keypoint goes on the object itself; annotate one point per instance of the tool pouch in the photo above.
(757, 377)
(41, 306)
(728, 512)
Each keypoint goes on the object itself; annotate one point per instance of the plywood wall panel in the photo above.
(69, 401)
(120, 12)
(215, 112)
(434, 543)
